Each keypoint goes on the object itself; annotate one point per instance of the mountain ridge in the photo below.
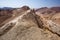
(29, 24)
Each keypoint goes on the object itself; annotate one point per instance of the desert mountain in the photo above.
(28, 24)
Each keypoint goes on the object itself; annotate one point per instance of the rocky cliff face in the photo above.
(29, 25)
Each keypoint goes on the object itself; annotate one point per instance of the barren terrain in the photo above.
(29, 24)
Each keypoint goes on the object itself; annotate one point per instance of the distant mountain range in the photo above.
(6, 8)
(56, 9)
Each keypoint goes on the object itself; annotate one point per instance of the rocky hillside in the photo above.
(7, 13)
(30, 24)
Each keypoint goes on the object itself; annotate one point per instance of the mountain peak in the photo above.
(25, 7)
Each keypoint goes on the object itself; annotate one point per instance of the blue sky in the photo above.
(30, 3)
